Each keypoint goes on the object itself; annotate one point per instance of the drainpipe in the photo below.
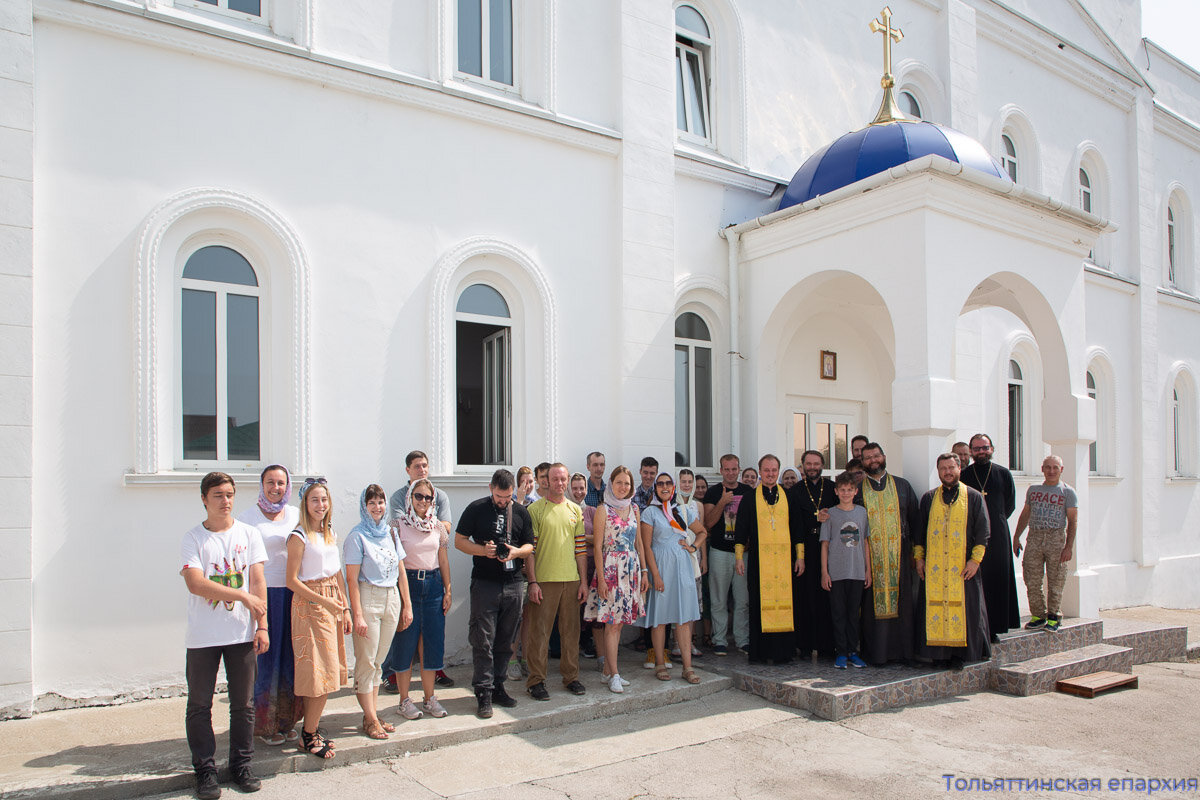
(732, 238)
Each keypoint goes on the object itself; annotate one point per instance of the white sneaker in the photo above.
(615, 685)
(623, 681)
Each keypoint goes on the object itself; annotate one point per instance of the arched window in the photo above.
(1016, 417)
(219, 358)
(693, 65)
(1181, 411)
(1178, 245)
(1094, 449)
(485, 40)
(1009, 159)
(1085, 190)
(693, 392)
(483, 329)
(910, 105)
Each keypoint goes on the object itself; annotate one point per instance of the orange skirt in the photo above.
(317, 641)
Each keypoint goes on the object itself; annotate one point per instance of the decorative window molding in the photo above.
(1021, 393)
(1178, 231)
(924, 88)
(532, 48)
(1180, 423)
(1015, 125)
(176, 228)
(725, 73)
(695, 395)
(1090, 185)
(534, 315)
(1101, 387)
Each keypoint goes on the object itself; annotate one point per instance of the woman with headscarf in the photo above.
(379, 601)
(427, 565)
(276, 707)
(672, 599)
(616, 592)
(320, 616)
(789, 478)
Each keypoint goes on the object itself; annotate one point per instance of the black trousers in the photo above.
(495, 617)
(845, 602)
(241, 666)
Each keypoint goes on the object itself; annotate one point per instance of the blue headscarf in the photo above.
(367, 526)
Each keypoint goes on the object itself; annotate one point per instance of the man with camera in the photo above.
(499, 535)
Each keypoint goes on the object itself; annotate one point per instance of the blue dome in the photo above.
(876, 148)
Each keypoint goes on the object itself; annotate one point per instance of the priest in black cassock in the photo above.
(887, 608)
(949, 544)
(999, 492)
(766, 548)
(812, 494)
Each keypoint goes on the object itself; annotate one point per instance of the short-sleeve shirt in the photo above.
(274, 533)
(720, 535)
(422, 546)
(441, 503)
(847, 533)
(224, 557)
(1048, 506)
(594, 496)
(558, 536)
(320, 560)
(482, 522)
(378, 559)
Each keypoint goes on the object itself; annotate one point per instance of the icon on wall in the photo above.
(828, 365)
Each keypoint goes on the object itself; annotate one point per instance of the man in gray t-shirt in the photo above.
(1050, 511)
(845, 568)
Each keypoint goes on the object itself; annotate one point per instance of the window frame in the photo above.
(691, 345)
(1018, 424)
(221, 8)
(1009, 158)
(507, 325)
(912, 95)
(689, 41)
(486, 80)
(222, 291)
(1180, 428)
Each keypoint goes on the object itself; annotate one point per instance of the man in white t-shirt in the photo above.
(227, 619)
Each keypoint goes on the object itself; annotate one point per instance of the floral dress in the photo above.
(621, 573)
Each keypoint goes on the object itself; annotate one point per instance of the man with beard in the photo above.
(1000, 495)
(810, 603)
(949, 543)
(891, 503)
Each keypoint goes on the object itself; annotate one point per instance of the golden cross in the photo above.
(889, 111)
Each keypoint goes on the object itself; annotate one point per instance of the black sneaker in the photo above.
(720, 649)
(484, 698)
(502, 698)
(575, 687)
(207, 787)
(1054, 623)
(1034, 623)
(443, 679)
(538, 691)
(246, 780)
(389, 683)
(587, 648)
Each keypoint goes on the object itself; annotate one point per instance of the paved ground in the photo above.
(733, 745)
(1164, 616)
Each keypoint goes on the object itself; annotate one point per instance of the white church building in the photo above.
(238, 232)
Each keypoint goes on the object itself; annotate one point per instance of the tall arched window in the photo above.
(1094, 449)
(693, 392)
(1016, 417)
(1009, 159)
(1170, 246)
(219, 358)
(1175, 441)
(910, 105)
(1178, 245)
(483, 329)
(693, 65)
(1085, 190)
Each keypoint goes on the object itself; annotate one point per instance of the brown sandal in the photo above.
(662, 673)
(690, 676)
(387, 726)
(374, 729)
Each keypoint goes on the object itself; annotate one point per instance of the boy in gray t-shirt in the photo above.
(845, 568)
(1050, 511)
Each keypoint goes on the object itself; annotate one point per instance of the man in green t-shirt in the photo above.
(555, 589)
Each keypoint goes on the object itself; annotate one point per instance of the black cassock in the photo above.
(810, 603)
(999, 575)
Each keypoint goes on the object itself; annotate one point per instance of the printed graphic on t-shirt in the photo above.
(731, 513)
(850, 535)
(229, 574)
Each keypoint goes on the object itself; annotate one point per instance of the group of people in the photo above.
(790, 564)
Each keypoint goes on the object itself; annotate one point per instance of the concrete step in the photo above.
(1022, 645)
(1039, 675)
(1149, 641)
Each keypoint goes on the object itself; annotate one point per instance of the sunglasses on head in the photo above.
(426, 497)
(315, 482)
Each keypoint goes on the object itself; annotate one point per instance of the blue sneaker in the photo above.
(839, 662)
(855, 661)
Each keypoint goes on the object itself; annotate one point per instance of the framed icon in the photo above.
(828, 365)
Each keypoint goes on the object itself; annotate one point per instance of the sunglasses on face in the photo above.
(661, 484)
(425, 497)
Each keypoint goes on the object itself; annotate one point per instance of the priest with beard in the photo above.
(811, 496)
(887, 609)
(999, 492)
(767, 549)
(949, 544)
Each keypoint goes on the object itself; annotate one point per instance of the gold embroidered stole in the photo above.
(883, 514)
(774, 563)
(945, 557)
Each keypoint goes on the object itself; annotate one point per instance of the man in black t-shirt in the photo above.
(720, 517)
(498, 534)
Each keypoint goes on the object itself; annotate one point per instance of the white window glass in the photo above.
(1094, 449)
(219, 360)
(483, 370)
(485, 40)
(1016, 417)
(693, 392)
(693, 46)
(1010, 156)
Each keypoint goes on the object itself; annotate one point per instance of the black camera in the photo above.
(502, 549)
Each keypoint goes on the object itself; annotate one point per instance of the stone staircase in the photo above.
(1023, 663)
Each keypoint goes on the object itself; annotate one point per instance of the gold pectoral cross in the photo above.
(888, 110)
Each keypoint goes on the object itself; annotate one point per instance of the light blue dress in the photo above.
(677, 602)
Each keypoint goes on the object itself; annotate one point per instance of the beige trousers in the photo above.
(381, 610)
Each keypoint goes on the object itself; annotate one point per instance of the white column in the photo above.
(16, 357)
(961, 51)
(647, 175)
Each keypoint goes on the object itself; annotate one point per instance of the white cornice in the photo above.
(714, 170)
(1098, 276)
(1177, 127)
(195, 35)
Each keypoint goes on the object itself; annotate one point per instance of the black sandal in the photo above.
(316, 745)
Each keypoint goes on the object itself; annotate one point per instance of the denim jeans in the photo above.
(426, 591)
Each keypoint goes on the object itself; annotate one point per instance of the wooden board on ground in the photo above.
(1096, 682)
